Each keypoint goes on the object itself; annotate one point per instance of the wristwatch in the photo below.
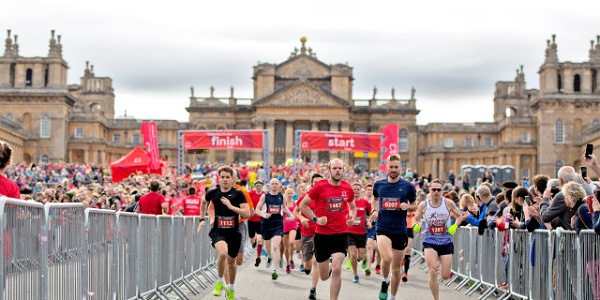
(314, 219)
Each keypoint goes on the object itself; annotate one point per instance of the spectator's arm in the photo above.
(549, 211)
(532, 224)
(472, 220)
(592, 163)
(586, 217)
(597, 222)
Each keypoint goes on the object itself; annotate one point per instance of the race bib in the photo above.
(334, 205)
(225, 222)
(274, 209)
(437, 229)
(390, 204)
(357, 221)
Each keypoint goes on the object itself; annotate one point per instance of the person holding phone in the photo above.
(596, 209)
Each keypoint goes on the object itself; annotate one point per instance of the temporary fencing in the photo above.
(541, 265)
(63, 251)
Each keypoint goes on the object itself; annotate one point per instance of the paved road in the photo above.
(255, 283)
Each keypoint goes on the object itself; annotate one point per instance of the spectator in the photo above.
(153, 202)
(7, 187)
(451, 177)
(556, 211)
(487, 210)
(574, 195)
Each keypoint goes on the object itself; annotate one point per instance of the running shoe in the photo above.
(355, 280)
(257, 262)
(292, 265)
(503, 286)
(218, 288)
(301, 268)
(377, 269)
(264, 253)
(274, 275)
(313, 294)
(368, 272)
(287, 269)
(269, 259)
(281, 263)
(404, 277)
(383, 293)
(364, 264)
(254, 245)
(348, 265)
(230, 295)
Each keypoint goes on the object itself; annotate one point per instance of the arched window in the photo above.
(44, 159)
(403, 146)
(45, 126)
(46, 78)
(559, 136)
(577, 83)
(559, 83)
(10, 116)
(557, 166)
(28, 77)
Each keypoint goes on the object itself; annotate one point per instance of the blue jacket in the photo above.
(597, 222)
(475, 221)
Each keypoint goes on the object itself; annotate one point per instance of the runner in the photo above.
(190, 205)
(357, 231)
(334, 208)
(307, 241)
(272, 223)
(254, 231)
(229, 203)
(372, 251)
(394, 197)
(290, 227)
(437, 242)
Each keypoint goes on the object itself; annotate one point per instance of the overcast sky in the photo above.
(452, 52)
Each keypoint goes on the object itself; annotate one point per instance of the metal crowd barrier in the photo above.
(589, 264)
(518, 269)
(540, 262)
(100, 237)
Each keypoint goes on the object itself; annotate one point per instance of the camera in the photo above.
(583, 172)
(527, 200)
(589, 148)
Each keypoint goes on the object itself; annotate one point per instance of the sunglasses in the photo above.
(436, 190)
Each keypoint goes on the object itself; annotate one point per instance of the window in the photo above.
(448, 142)
(577, 83)
(557, 166)
(280, 135)
(595, 123)
(45, 126)
(28, 77)
(559, 82)
(559, 132)
(44, 159)
(135, 139)
(489, 142)
(78, 132)
(116, 137)
(403, 140)
(525, 137)
(404, 164)
(525, 172)
(469, 142)
(10, 116)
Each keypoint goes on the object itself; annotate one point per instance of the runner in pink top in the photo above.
(289, 230)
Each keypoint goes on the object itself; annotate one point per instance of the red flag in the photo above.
(390, 142)
(150, 132)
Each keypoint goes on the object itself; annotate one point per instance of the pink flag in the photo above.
(150, 132)
(390, 143)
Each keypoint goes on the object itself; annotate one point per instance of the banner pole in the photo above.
(180, 152)
(267, 157)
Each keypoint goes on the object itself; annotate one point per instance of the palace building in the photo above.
(537, 131)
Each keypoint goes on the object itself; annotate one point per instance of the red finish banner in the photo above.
(221, 139)
(150, 133)
(341, 141)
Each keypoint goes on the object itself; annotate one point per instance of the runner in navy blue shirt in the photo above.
(393, 196)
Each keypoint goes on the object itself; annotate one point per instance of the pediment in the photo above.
(302, 94)
(302, 66)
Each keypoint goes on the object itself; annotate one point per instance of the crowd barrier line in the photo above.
(63, 251)
(555, 265)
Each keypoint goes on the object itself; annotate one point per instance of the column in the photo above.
(314, 126)
(271, 129)
(86, 156)
(289, 138)
(517, 167)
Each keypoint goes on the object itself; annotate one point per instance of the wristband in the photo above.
(452, 229)
(314, 219)
(416, 228)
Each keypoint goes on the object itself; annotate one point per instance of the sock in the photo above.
(387, 280)
(406, 263)
(231, 287)
(258, 250)
(392, 297)
(307, 271)
(222, 280)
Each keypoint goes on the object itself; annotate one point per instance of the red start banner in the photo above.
(221, 139)
(341, 141)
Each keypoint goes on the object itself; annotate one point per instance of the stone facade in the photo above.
(45, 119)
